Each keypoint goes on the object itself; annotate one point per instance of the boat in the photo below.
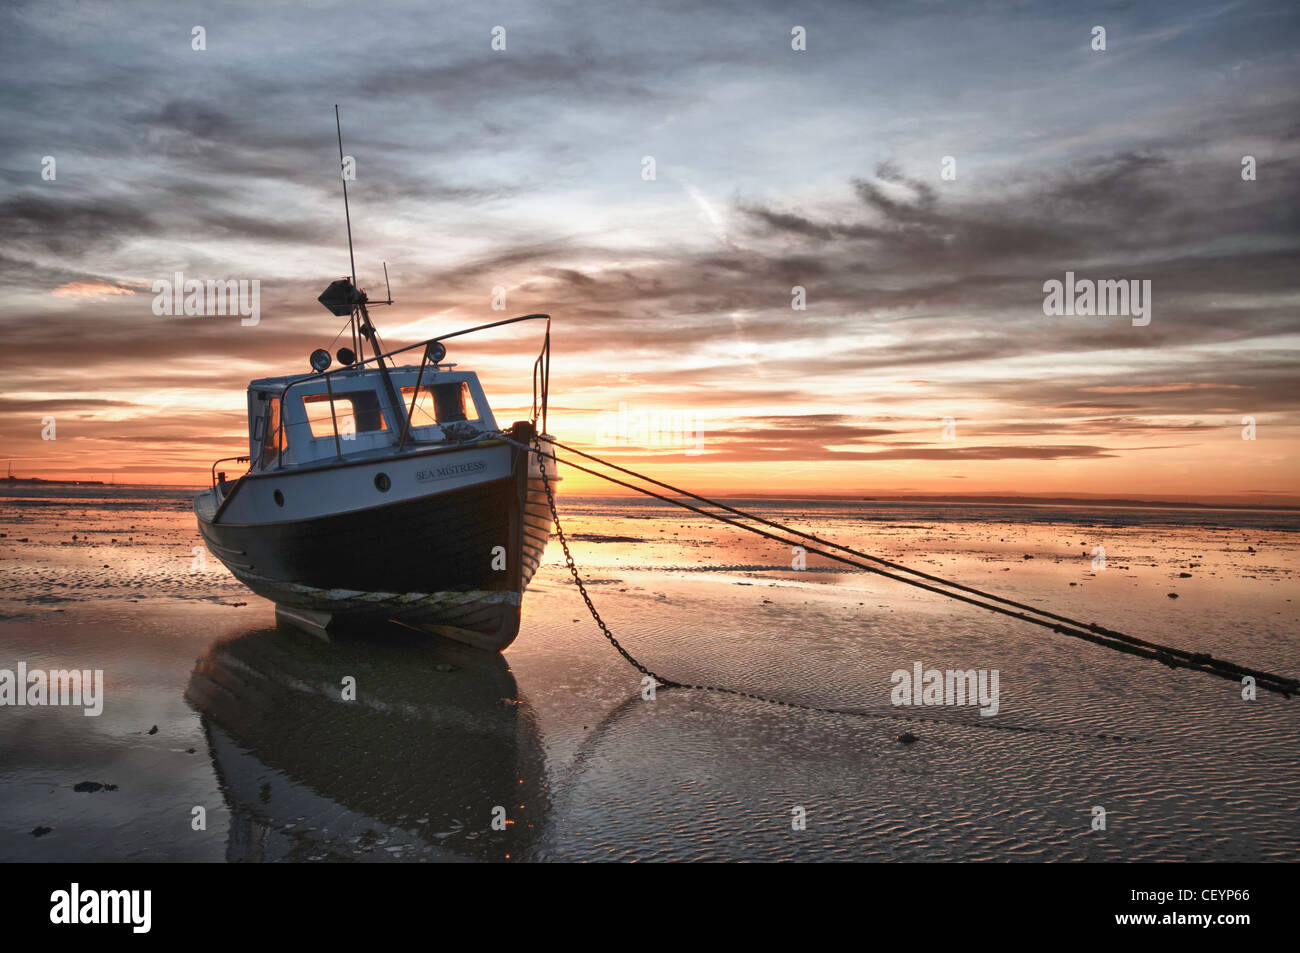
(382, 489)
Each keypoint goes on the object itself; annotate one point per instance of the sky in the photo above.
(919, 170)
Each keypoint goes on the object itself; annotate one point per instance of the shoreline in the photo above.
(992, 500)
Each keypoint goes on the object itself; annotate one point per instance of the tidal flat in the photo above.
(552, 751)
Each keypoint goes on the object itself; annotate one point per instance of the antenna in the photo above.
(347, 214)
(344, 297)
(388, 287)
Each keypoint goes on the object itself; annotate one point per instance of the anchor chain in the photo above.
(723, 690)
(577, 579)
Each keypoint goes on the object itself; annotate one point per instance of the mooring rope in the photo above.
(1109, 638)
(1168, 655)
(719, 689)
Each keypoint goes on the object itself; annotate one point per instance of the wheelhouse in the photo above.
(299, 420)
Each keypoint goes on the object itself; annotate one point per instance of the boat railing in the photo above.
(541, 384)
(225, 460)
(542, 377)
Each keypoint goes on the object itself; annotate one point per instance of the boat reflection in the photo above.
(436, 745)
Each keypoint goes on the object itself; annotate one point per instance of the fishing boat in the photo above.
(383, 489)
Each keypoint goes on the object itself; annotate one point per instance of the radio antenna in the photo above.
(347, 214)
(343, 296)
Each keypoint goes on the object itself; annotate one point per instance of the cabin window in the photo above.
(356, 412)
(274, 439)
(440, 404)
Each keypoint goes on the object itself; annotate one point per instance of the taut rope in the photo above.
(1091, 632)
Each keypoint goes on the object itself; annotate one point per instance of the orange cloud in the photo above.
(89, 289)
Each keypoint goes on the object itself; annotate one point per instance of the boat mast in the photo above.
(347, 214)
(362, 328)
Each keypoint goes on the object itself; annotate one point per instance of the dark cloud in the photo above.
(478, 169)
(70, 225)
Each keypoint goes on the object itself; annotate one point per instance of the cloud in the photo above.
(521, 169)
(89, 289)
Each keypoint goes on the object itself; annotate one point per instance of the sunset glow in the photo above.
(671, 297)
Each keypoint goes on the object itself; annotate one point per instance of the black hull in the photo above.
(433, 561)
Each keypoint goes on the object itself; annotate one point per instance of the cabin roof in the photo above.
(278, 384)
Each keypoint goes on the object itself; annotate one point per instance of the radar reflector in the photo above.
(341, 297)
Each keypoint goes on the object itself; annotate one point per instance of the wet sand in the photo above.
(251, 725)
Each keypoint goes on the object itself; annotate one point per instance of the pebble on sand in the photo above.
(906, 738)
(40, 830)
(1173, 595)
(89, 787)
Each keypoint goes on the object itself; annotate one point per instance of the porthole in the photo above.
(278, 497)
(382, 483)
